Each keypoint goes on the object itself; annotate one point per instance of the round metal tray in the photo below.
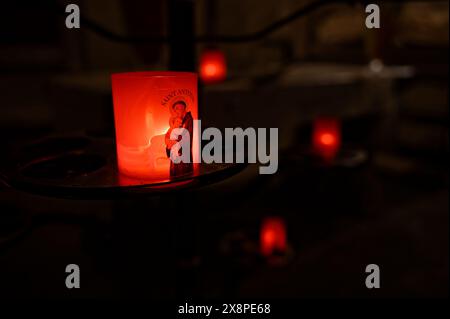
(85, 168)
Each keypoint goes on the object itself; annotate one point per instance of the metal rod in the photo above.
(171, 38)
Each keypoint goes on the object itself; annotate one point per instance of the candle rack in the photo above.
(86, 168)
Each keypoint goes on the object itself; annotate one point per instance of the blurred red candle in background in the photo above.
(326, 137)
(213, 66)
(273, 236)
(144, 110)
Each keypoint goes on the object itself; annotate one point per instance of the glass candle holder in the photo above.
(327, 137)
(147, 107)
(213, 66)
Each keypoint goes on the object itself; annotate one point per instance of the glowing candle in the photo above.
(213, 68)
(326, 137)
(273, 236)
(147, 106)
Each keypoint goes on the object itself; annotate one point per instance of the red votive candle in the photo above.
(147, 106)
(213, 66)
(273, 236)
(326, 137)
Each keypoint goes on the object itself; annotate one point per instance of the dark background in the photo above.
(391, 210)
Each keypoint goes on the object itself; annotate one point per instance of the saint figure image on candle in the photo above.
(180, 118)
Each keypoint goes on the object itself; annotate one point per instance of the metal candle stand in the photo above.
(84, 168)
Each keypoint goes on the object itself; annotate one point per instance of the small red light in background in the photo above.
(213, 66)
(273, 236)
(326, 137)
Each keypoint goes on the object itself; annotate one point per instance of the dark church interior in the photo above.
(307, 231)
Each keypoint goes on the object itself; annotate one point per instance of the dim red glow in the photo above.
(326, 137)
(143, 108)
(213, 68)
(210, 70)
(273, 236)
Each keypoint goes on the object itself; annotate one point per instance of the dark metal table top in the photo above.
(81, 167)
